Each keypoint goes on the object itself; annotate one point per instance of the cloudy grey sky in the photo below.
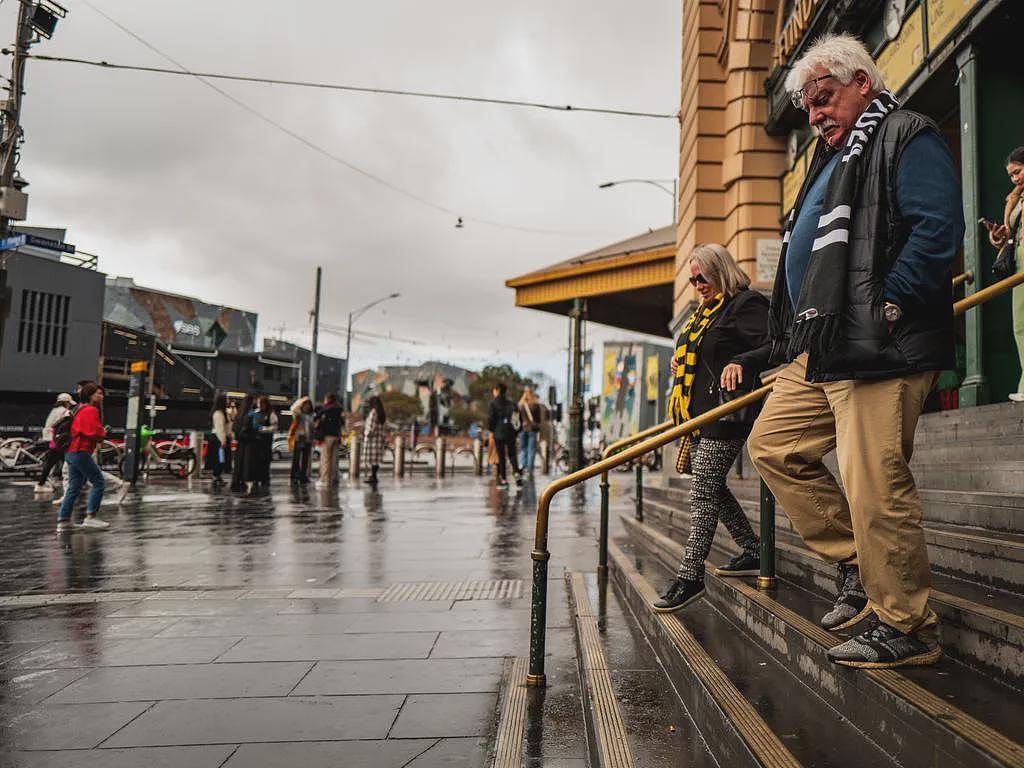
(174, 185)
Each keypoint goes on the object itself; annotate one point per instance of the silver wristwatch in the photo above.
(892, 312)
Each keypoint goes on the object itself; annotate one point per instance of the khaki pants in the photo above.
(877, 524)
(329, 459)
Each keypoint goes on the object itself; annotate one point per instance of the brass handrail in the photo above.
(966, 277)
(540, 554)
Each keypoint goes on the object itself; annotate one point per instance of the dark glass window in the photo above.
(43, 323)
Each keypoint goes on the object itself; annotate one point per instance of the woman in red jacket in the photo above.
(86, 433)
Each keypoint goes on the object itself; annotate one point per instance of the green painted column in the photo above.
(974, 388)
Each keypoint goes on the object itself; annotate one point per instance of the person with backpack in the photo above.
(81, 432)
(503, 422)
(54, 455)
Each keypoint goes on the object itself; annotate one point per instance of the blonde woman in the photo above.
(530, 415)
(711, 358)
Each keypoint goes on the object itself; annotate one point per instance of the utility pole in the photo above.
(577, 315)
(316, 339)
(348, 356)
(13, 202)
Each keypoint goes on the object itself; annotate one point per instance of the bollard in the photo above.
(640, 489)
(766, 579)
(439, 456)
(545, 458)
(602, 543)
(478, 456)
(354, 456)
(195, 442)
(399, 452)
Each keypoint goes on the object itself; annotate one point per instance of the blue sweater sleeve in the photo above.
(928, 196)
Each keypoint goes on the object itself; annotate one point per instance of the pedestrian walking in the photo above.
(300, 439)
(1008, 237)
(112, 483)
(241, 428)
(328, 428)
(54, 454)
(709, 368)
(503, 423)
(530, 418)
(374, 441)
(218, 448)
(862, 315)
(85, 432)
(263, 425)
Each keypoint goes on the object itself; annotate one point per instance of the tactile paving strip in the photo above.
(485, 589)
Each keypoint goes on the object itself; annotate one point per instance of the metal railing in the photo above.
(635, 446)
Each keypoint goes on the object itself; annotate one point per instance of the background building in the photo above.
(178, 321)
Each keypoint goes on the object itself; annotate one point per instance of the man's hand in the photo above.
(732, 376)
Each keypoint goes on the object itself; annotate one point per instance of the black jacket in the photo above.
(499, 419)
(741, 327)
(328, 421)
(923, 339)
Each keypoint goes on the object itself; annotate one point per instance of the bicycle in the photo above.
(22, 454)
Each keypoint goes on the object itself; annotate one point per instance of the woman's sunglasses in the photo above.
(699, 278)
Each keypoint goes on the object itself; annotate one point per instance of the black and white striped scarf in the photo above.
(818, 319)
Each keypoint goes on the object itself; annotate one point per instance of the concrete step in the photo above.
(991, 477)
(981, 627)
(978, 451)
(995, 511)
(945, 715)
(633, 716)
(1001, 418)
(989, 559)
(746, 703)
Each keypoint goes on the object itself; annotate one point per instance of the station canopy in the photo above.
(626, 285)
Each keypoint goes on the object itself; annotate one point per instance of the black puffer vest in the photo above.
(923, 339)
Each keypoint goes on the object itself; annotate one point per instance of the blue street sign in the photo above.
(9, 243)
(51, 245)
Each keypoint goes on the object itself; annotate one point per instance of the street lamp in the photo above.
(659, 183)
(348, 336)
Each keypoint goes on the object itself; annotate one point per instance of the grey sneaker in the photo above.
(882, 647)
(852, 602)
(64, 526)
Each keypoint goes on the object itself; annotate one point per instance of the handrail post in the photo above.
(602, 543)
(766, 579)
(538, 618)
(640, 490)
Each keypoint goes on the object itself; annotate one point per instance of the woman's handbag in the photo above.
(1005, 263)
(745, 416)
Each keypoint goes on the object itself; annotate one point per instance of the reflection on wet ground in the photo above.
(204, 629)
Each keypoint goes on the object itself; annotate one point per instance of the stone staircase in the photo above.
(745, 672)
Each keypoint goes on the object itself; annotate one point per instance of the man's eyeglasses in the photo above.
(699, 278)
(809, 91)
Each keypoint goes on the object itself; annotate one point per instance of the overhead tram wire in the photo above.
(357, 88)
(327, 153)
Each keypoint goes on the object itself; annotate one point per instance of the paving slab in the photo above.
(159, 757)
(446, 715)
(68, 726)
(402, 676)
(96, 652)
(23, 690)
(239, 721)
(398, 645)
(396, 753)
(184, 681)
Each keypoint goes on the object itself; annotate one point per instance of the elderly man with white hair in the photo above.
(862, 314)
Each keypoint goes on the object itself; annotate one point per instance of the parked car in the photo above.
(279, 450)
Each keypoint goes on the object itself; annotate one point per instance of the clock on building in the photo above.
(894, 10)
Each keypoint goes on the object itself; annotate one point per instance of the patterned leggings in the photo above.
(711, 501)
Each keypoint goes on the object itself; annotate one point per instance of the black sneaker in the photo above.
(744, 564)
(882, 647)
(852, 602)
(680, 593)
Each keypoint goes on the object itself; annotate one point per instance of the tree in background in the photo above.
(401, 409)
(480, 392)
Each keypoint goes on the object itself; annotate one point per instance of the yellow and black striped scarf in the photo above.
(686, 359)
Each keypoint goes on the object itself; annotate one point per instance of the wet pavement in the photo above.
(345, 627)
